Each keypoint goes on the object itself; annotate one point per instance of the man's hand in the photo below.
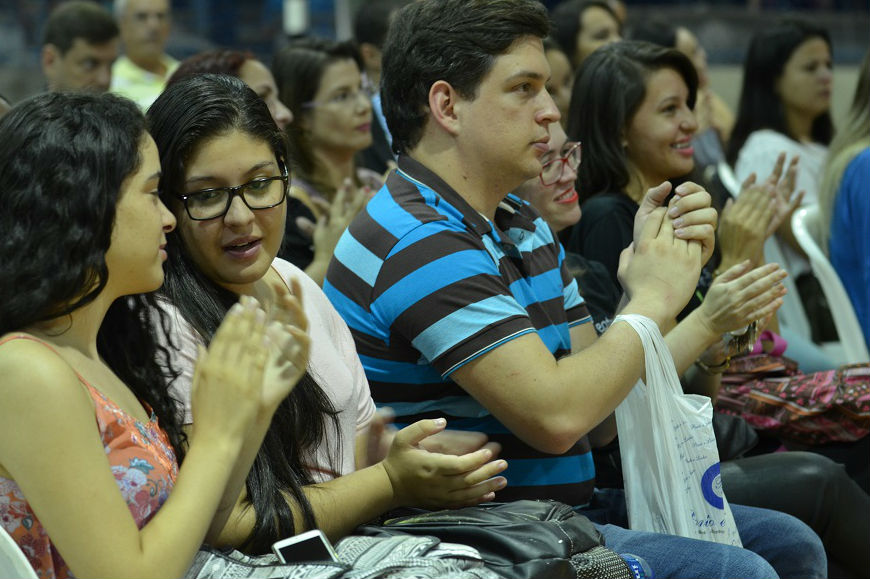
(660, 272)
(689, 209)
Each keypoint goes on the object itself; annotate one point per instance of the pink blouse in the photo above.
(141, 458)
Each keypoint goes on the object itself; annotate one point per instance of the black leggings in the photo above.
(812, 488)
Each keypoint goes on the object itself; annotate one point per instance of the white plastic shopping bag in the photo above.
(670, 462)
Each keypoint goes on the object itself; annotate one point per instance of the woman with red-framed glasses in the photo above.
(553, 194)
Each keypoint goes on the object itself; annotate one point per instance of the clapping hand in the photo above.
(689, 210)
(786, 199)
(334, 217)
(228, 377)
(745, 222)
(661, 271)
(434, 480)
(741, 295)
(289, 344)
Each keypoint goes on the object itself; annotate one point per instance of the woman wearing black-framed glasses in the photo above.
(224, 179)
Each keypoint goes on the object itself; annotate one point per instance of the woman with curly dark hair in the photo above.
(90, 440)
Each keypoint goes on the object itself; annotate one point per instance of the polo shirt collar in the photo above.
(416, 171)
(512, 212)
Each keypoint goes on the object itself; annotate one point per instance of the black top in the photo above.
(297, 246)
(604, 230)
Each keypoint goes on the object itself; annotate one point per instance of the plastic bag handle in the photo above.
(657, 357)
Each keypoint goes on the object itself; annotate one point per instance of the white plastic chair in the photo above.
(807, 231)
(13, 562)
(791, 314)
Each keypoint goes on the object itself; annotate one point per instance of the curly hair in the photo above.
(63, 160)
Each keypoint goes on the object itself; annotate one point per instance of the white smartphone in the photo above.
(308, 546)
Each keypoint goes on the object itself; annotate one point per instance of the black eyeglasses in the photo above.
(552, 170)
(262, 193)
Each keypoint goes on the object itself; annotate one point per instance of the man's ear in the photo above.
(443, 99)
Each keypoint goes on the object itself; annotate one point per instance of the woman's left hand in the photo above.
(290, 344)
(786, 198)
(744, 223)
(740, 296)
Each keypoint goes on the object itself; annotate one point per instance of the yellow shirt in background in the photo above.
(137, 84)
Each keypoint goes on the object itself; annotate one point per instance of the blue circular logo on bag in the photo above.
(711, 487)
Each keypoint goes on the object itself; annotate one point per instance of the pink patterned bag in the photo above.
(817, 408)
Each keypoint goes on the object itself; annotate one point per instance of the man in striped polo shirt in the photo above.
(455, 291)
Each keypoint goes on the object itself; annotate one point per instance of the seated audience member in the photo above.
(95, 489)
(320, 80)
(714, 116)
(225, 180)
(324, 233)
(785, 106)
(79, 45)
(785, 103)
(643, 136)
(242, 65)
(370, 25)
(581, 26)
(142, 71)
(844, 201)
(457, 296)
(806, 485)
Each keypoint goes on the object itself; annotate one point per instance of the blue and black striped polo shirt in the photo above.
(426, 283)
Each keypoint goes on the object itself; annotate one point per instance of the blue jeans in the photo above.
(775, 544)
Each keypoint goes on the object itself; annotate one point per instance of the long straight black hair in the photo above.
(189, 112)
(63, 161)
(760, 106)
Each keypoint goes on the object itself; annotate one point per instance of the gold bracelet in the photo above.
(714, 369)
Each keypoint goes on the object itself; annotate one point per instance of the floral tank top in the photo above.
(141, 458)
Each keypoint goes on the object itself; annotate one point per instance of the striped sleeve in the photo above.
(443, 292)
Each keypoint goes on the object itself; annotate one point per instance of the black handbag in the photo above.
(519, 539)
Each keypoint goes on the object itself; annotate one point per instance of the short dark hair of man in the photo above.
(456, 41)
(79, 19)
